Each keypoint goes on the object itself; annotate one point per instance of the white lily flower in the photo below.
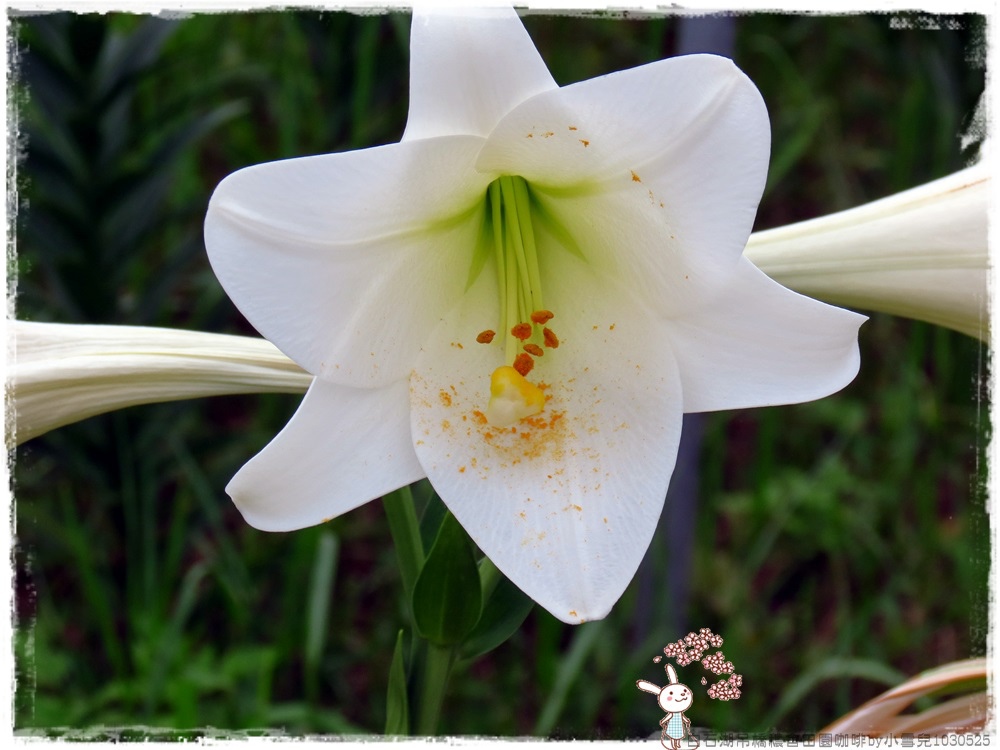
(620, 204)
(63, 373)
(922, 253)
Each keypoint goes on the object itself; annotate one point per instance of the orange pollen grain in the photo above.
(485, 337)
(445, 398)
(522, 331)
(585, 143)
(551, 340)
(479, 417)
(534, 349)
(523, 364)
(572, 127)
(635, 177)
(542, 316)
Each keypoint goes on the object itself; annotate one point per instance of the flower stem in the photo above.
(433, 684)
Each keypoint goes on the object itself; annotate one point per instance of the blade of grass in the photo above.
(317, 618)
(585, 637)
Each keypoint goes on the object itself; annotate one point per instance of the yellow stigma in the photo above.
(512, 398)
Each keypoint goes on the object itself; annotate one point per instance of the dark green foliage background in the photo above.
(840, 545)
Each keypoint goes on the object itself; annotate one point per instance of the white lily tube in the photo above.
(63, 373)
(921, 254)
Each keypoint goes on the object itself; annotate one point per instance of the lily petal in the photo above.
(354, 238)
(764, 346)
(665, 163)
(460, 86)
(299, 481)
(564, 503)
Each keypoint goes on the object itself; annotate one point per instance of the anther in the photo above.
(541, 317)
(486, 337)
(551, 340)
(534, 350)
(523, 364)
(522, 331)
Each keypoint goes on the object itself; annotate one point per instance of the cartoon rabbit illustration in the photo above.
(674, 698)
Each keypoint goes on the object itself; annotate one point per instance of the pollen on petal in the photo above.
(486, 337)
(523, 364)
(534, 350)
(512, 398)
(551, 340)
(521, 331)
(541, 317)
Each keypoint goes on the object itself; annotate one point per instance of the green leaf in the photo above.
(503, 614)
(405, 530)
(397, 706)
(447, 599)
(434, 511)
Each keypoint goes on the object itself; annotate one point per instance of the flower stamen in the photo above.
(521, 331)
(551, 340)
(522, 311)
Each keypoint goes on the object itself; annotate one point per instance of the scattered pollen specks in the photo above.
(635, 177)
(457, 345)
(530, 135)
(572, 127)
(611, 327)
(547, 134)
(585, 143)
(461, 469)
(445, 398)
(572, 613)
(445, 424)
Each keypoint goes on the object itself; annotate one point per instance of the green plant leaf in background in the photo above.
(505, 610)
(447, 599)
(397, 705)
